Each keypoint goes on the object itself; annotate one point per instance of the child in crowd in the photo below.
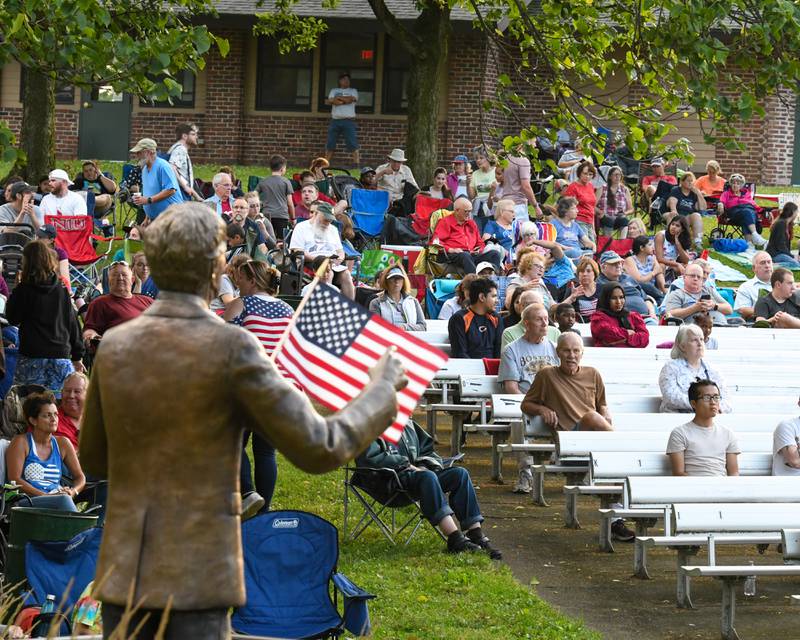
(439, 188)
(481, 184)
(496, 194)
(458, 181)
(564, 315)
(275, 192)
(704, 321)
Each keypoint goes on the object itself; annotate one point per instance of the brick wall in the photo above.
(778, 144)
(66, 129)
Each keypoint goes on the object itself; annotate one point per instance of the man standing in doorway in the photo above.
(342, 100)
(187, 134)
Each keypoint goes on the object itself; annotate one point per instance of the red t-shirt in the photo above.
(452, 235)
(584, 194)
(108, 311)
(225, 206)
(67, 428)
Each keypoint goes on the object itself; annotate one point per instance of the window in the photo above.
(282, 82)
(65, 94)
(353, 53)
(396, 65)
(183, 101)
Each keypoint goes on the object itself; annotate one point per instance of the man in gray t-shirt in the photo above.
(21, 208)
(700, 447)
(696, 297)
(523, 358)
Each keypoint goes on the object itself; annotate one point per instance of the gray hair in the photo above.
(500, 205)
(528, 311)
(566, 337)
(76, 374)
(682, 337)
(182, 247)
(218, 178)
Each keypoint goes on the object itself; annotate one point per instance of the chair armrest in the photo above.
(349, 589)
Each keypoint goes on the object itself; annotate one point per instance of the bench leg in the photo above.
(729, 586)
(537, 490)
(605, 534)
(684, 587)
(455, 434)
(431, 423)
(640, 560)
(571, 511)
(497, 459)
(643, 524)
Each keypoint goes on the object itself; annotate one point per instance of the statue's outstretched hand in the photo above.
(391, 369)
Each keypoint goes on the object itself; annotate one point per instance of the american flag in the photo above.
(266, 319)
(333, 344)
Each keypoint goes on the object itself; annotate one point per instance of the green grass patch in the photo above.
(422, 591)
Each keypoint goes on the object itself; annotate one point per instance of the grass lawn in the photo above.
(422, 591)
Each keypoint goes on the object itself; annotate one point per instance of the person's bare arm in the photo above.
(672, 203)
(603, 411)
(71, 461)
(677, 463)
(528, 191)
(15, 461)
(233, 308)
(701, 202)
(732, 464)
(791, 456)
(511, 386)
(549, 416)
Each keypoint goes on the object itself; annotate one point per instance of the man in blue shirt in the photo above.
(160, 187)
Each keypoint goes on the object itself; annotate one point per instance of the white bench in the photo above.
(648, 492)
(610, 466)
(716, 518)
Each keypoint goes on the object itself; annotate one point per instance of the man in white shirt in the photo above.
(187, 134)
(700, 447)
(786, 448)
(526, 356)
(759, 285)
(393, 175)
(61, 201)
(342, 100)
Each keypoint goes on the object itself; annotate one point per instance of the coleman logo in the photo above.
(286, 523)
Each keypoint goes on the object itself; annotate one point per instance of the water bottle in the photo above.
(49, 605)
(750, 585)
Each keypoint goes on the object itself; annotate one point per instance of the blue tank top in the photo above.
(45, 475)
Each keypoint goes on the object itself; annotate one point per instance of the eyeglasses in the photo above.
(254, 205)
(693, 276)
(710, 398)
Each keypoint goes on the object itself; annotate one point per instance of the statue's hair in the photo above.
(182, 246)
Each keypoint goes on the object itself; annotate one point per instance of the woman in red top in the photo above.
(612, 326)
(583, 191)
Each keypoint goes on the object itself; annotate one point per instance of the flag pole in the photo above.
(285, 336)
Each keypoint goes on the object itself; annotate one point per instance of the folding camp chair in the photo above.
(424, 206)
(289, 564)
(380, 492)
(63, 569)
(368, 210)
(12, 241)
(74, 234)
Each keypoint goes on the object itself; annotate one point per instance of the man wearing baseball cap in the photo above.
(369, 179)
(21, 208)
(160, 187)
(61, 201)
(635, 297)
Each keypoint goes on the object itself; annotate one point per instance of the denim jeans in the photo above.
(55, 501)
(266, 468)
(430, 487)
(744, 215)
(345, 127)
(785, 260)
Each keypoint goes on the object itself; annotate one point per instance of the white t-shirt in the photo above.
(339, 111)
(226, 287)
(704, 448)
(71, 204)
(522, 360)
(315, 240)
(786, 435)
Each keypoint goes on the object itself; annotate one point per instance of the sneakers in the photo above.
(485, 544)
(252, 503)
(525, 481)
(758, 240)
(457, 542)
(620, 532)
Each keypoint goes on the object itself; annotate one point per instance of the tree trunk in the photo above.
(426, 79)
(37, 134)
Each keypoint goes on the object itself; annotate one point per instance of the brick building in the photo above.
(255, 102)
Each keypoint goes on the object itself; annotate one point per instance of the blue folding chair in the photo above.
(368, 209)
(62, 569)
(289, 563)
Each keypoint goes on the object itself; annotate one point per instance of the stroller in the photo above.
(12, 241)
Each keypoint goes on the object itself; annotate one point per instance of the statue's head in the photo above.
(185, 248)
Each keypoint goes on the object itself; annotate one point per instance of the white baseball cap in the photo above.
(485, 265)
(59, 174)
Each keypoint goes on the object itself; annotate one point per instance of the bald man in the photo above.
(569, 397)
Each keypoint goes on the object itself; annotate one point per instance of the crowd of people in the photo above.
(528, 273)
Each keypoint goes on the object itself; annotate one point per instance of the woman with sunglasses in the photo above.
(260, 312)
(50, 345)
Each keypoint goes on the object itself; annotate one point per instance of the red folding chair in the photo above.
(74, 234)
(424, 206)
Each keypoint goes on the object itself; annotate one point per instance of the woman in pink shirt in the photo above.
(737, 202)
(583, 191)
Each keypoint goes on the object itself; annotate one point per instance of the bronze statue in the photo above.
(170, 394)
